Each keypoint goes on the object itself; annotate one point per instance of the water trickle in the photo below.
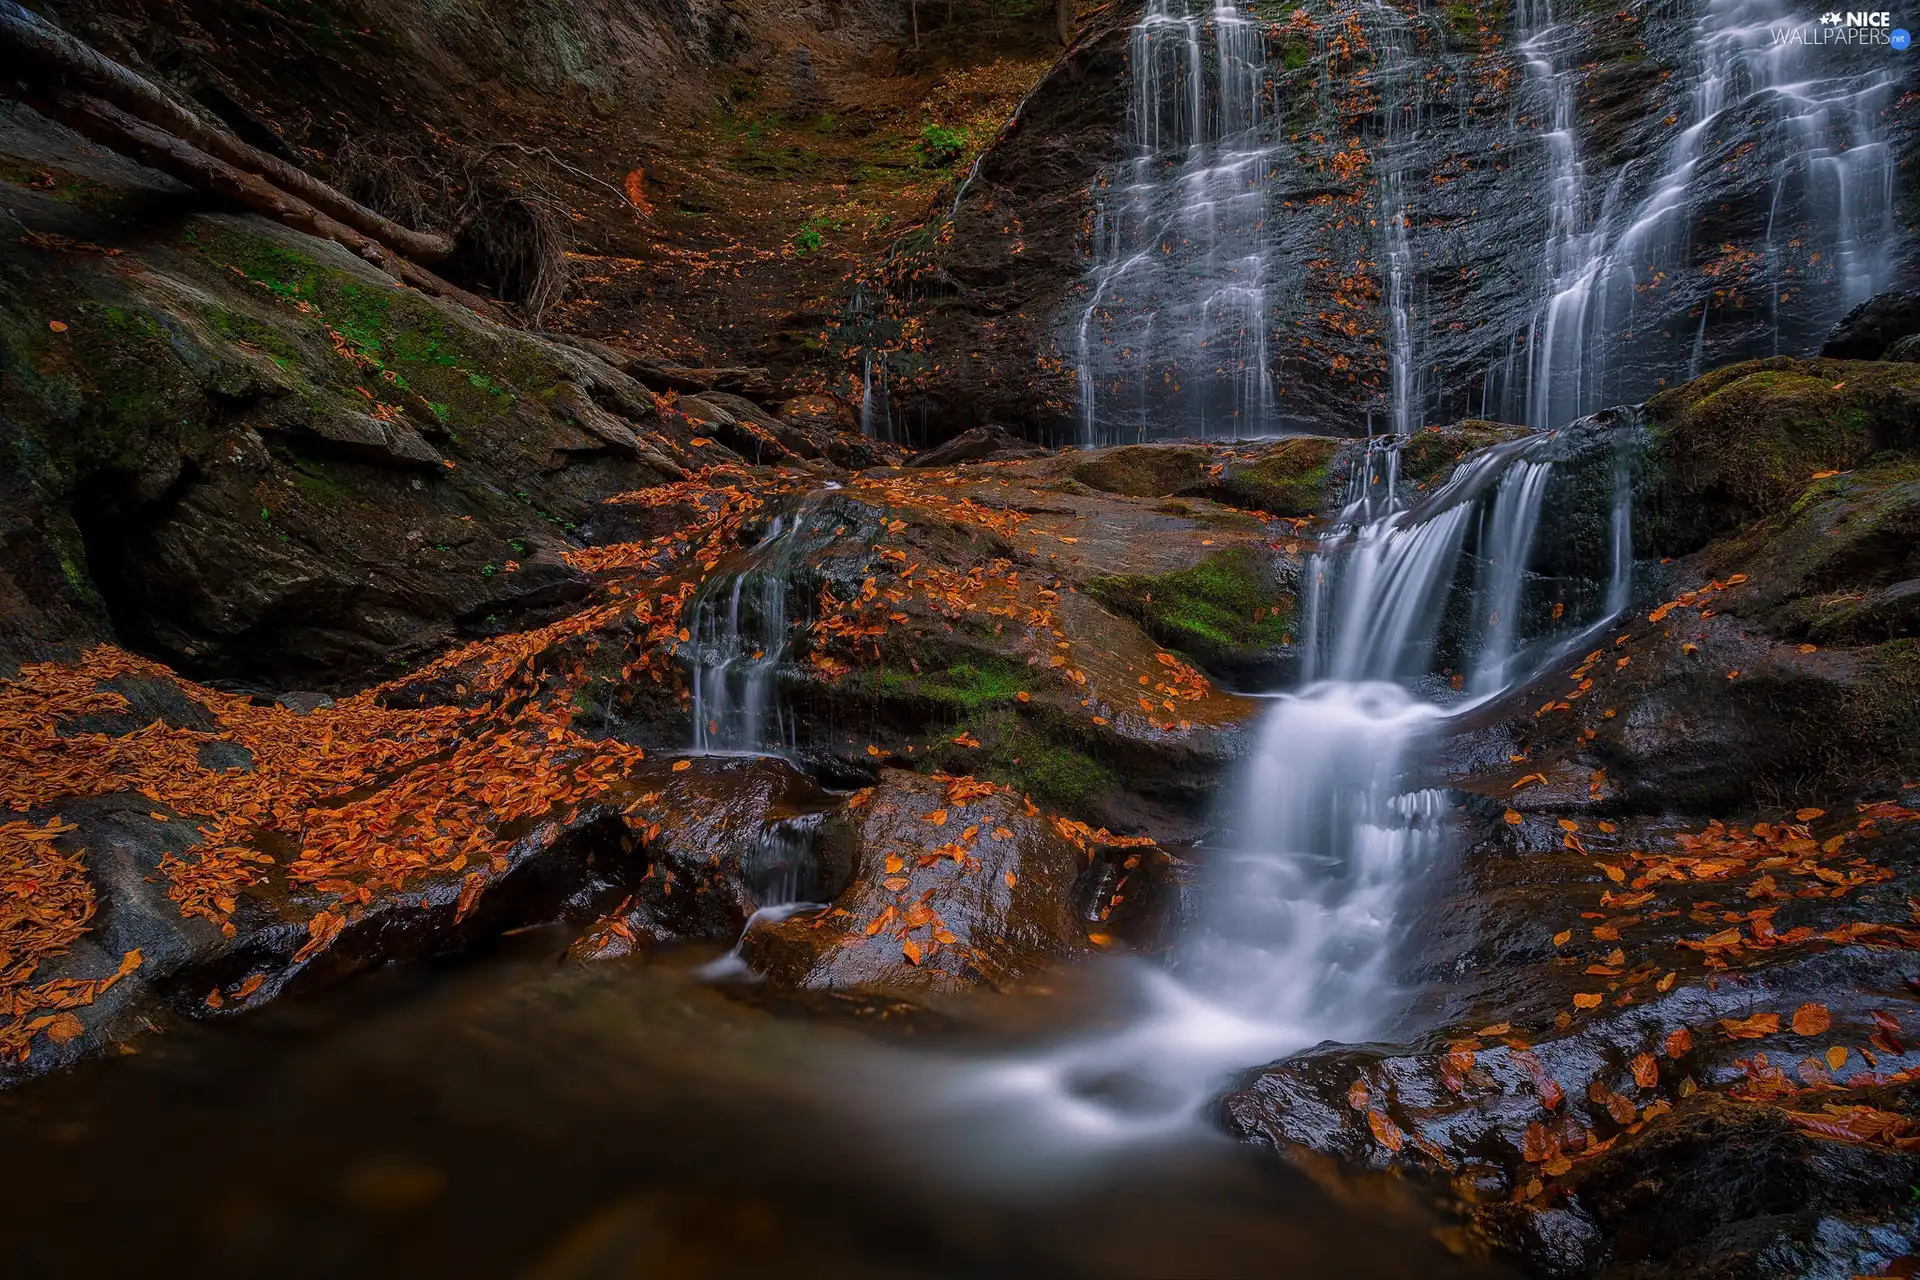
(781, 875)
(739, 639)
(1622, 306)
(1175, 336)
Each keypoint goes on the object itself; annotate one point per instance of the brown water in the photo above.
(511, 1116)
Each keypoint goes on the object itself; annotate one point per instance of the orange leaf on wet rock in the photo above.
(1646, 1071)
(1753, 1028)
(1357, 1095)
(1679, 1041)
(1811, 1020)
(1385, 1132)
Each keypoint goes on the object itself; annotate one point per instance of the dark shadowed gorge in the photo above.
(959, 638)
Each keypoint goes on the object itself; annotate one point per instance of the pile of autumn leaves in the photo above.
(374, 797)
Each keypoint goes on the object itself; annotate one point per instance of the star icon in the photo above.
(1829, 19)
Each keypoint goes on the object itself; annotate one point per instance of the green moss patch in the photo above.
(390, 337)
(1742, 442)
(963, 686)
(1019, 751)
(1292, 478)
(1224, 608)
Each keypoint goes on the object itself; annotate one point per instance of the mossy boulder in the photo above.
(256, 456)
(1429, 456)
(1742, 442)
(1291, 477)
(1145, 470)
(1841, 565)
(1230, 612)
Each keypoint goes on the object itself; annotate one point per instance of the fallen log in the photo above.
(106, 124)
(50, 59)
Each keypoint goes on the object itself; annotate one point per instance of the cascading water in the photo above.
(1304, 911)
(1615, 321)
(1391, 37)
(1174, 338)
(739, 639)
(780, 873)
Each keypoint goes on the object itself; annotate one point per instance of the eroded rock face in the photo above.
(209, 474)
(1477, 183)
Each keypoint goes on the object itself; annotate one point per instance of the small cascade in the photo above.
(1622, 311)
(781, 875)
(1175, 336)
(740, 632)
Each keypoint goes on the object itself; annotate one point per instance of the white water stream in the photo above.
(1179, 315)
(1608, 329)
(1305, 910)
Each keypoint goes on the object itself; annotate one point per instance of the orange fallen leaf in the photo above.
(1811, 1020)
(1513, 818)
(911, 950)
(1646, 1072)
(1760, 1024)
(64, 1027)
(1385, 1132)
(1587, 999)
(1357, 1096)
(680, 765)
(1808, 815)
(252, 984)
(1561, 938)
(1836, 1057)
(1679, 1041)
(1012, 879)
(58, 326)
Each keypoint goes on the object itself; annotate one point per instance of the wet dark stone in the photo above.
(1870, 330)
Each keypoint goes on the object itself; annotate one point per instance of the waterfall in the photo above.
(780, 874)
(1304, 909)
(1615, 322)
(1174, 339)
(1392, 39)
(739, 639)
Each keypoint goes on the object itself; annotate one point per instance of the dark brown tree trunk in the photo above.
(1063, 20)
(48, 58)
(111, 127)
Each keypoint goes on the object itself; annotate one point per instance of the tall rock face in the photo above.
(1370, 216)
(984, 286)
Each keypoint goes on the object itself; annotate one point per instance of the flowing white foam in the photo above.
(1305, 911)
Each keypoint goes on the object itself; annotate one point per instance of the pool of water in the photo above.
(510, 1115)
